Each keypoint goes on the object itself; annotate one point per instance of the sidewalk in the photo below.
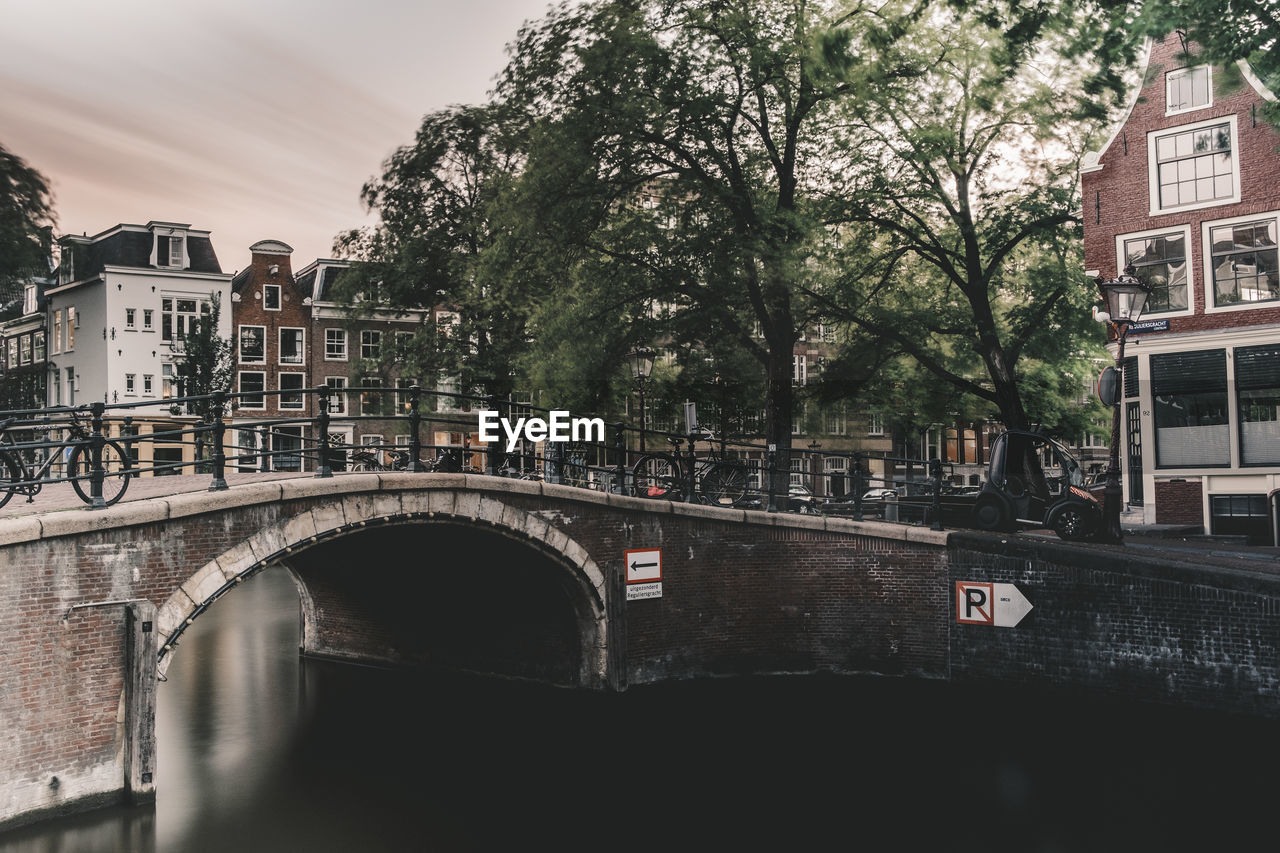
(1183, 539)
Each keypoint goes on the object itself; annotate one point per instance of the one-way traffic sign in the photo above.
(644, 566)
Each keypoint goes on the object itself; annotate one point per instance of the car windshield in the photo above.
(1071, 472)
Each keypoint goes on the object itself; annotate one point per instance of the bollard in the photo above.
(219, 435)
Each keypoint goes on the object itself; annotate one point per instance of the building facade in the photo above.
(1187, 192)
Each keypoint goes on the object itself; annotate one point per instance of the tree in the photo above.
(437, 202)
(207, 364)
(26, 215)
(957, 222)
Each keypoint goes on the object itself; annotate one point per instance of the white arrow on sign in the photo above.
(979, 603)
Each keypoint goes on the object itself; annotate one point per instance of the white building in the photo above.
(122, 300)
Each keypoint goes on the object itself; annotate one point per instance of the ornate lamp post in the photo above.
(640, 360)
(1126, 297)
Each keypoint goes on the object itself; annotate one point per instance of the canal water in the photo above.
(261, 751)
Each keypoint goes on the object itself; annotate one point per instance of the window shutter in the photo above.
(1130, 369)
(1258, 367)
(162, 251)
(1189, 372)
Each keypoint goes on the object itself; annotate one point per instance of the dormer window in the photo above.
(1187, 89)
(170, 251)
(29, 299)
(67, 266)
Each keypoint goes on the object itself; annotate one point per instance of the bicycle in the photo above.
(718, 480)
(16, 477)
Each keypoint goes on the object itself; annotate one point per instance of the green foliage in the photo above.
(208, 363)
(26, 214)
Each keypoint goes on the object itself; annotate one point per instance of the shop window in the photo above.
(1258, 392)
(1190, 407)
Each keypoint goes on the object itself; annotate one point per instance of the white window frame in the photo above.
(331, 338)
(1171, 76)
(302, 345)
(130, 384)
(240, 388)
(279, 297)
(376, 347)
(131, 318)
(55, 345)
(1185, 230)
(799, 369)
(1153, 179)
(338, 402)
(1206, 255)
(301, 402)
(148, 384)
(875, 423)
(239, 347)
(148, 319)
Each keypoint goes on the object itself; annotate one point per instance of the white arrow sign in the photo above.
(1001, 604)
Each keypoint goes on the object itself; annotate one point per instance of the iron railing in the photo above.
(163, 437)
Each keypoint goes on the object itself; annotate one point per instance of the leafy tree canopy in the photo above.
(26, 214)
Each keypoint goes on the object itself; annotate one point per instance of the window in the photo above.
(1160, 260)
(179, 317)
(147, 315)
(797, 419)
(403, 394)
(57, 332)
(335, 344)
(71, 386)
(796, 473)
(1244, 263)
(30, 299)
(286, 448)
(148, 384)
(24, 348)
(169, 251)
(166, 381)
(37, 345)
(130, 318)
(404, 344)
(1258, 389)
(253, 344)
(447, 322)
(291, 385)
(799, 369)
(1193, 166)
(1187, 89)
(291, 346)
(1190, 401)
(252, 384)
(13, 353)
(337, 394)
(56, 396)
(837, 423)
(67, 265)
(875, 423)
(72, 324)
(130, 383)
(371, 399)
(370, 343)
(271, 297)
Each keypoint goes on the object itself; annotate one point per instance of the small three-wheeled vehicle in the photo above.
(1033, 480)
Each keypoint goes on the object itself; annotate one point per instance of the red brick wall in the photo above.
(248, 311)
(1116, 199)
(1179, 502)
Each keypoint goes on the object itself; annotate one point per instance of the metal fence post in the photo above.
(96, 443)
(773, 472)
(493, 447)
(858, 486)
(415, 425)
(219, 433)
(557, 461)
(935, 474)
(322, 424)
(693, 473)
(620, 450)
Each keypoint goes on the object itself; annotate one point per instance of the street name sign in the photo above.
(644, 573)
(999, 604)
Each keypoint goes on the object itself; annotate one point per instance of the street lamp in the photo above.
(640, 360)
(815, 464)
(1126, 297)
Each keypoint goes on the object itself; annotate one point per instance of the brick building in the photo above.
(1187, 190)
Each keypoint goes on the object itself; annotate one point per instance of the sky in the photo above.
(251, 120)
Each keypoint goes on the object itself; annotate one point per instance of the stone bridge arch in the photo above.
(291, 538)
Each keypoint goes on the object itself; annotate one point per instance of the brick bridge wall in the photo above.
(742, 593)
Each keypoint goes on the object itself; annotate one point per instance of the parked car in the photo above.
(872, 504)
(798, 499)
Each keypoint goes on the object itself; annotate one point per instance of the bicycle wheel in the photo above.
(657, 477)
(10, 477)
(725, 484)
(116, 467)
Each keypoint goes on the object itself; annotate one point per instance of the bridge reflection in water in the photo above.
(260, 751)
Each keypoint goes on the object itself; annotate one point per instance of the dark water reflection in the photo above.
(262, 752)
